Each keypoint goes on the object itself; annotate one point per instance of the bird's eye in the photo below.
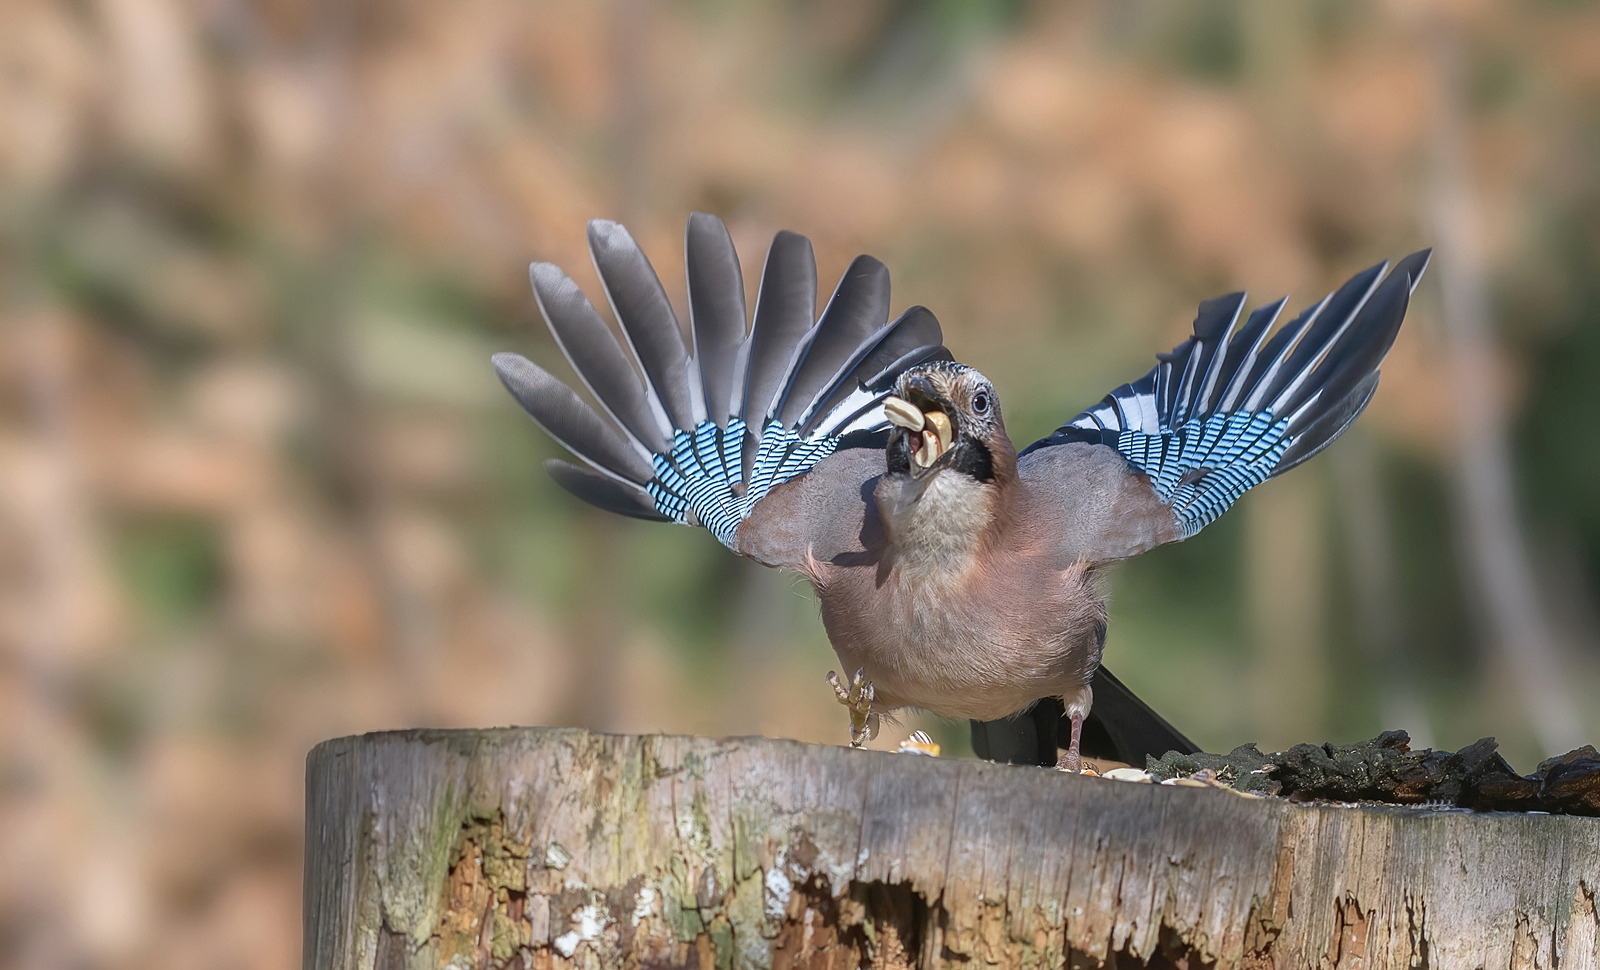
(980, 403)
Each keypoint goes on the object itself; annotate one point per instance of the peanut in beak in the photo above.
(903, 413)
(937, 435)
(933, 428)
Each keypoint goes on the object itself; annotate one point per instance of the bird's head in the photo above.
(945, 417)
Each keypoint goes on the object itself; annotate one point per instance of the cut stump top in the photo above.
(525, 847)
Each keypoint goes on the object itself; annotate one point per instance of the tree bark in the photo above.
(536, 847)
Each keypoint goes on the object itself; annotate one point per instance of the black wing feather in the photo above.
(1329, 424)
(697, 432)
(1211, 329)
(1243, 350)
(1330, 323)
(1223, 412)
(1344, 381)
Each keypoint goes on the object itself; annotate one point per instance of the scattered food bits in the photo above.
(1129, 774)
(921, 743)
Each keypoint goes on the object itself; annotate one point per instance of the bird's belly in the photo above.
(959, 660)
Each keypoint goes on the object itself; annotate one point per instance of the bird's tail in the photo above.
(699, 438)
(1120, 727)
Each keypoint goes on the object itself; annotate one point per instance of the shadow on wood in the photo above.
(535, 847)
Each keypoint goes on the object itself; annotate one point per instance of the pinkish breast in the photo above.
(980, 643)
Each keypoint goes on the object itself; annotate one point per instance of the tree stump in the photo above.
(536, 847)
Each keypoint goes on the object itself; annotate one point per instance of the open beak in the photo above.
(932, 429)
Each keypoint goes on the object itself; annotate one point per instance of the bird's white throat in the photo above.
(935, 524)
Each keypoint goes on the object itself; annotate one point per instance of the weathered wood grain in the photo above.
(553, 847)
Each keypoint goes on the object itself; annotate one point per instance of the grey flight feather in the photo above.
(716, 310)
(595, 355)
(641, 306)
(701, 442)
(912, 338)
(858, 310)
(604, 491)
(785, 309)
(565, 417)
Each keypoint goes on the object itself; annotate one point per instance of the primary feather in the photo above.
(595, 356)
(912, 338)
(716, 310)
(641, 306)
(858, 309)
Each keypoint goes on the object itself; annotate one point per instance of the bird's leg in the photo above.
(1070, 760)
(857, 698)
(1077, 706)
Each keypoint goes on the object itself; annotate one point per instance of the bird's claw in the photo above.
(857, 698)
(1070, 761)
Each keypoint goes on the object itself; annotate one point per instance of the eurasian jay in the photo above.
(955, 574)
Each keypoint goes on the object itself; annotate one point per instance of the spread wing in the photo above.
(701, 436)
(1227, 409)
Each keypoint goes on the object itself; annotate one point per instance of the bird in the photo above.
(955, 573)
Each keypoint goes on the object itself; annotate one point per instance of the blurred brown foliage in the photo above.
(260, 487)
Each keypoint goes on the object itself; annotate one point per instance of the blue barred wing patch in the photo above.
(1205, 464)
(698, 481)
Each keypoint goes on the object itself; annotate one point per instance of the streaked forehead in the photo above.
(946, 375)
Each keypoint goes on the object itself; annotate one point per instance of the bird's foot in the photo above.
(857, 699)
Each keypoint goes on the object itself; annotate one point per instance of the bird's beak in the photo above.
(932, 428)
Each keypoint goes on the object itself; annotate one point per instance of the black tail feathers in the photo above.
(1120, 727)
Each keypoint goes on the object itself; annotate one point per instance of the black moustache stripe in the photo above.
(898, 452)
(972, 457)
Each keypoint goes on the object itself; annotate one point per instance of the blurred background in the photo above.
(259, 486)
